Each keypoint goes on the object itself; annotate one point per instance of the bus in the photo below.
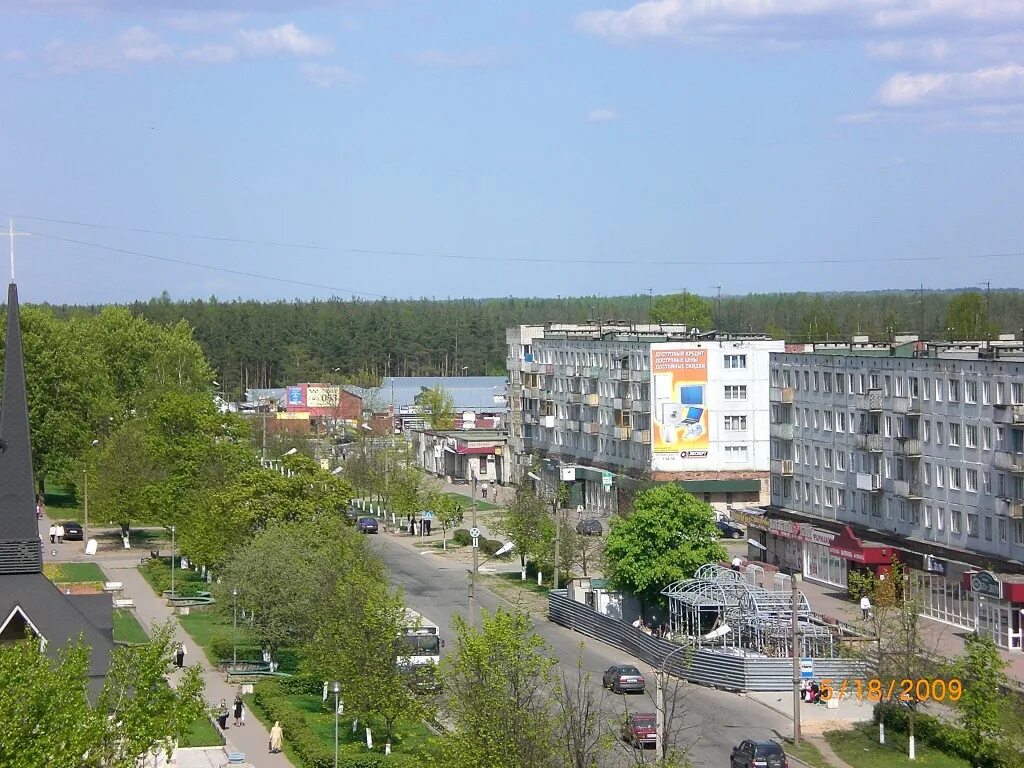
(420, 649)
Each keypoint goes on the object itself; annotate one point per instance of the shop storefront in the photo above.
(794, 547)
(822, 566)
(860, 555)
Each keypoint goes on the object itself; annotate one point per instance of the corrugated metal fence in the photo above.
(720, 670)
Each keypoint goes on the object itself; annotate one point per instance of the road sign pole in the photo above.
(796, 663)
(472, 574)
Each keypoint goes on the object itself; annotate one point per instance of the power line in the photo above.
(519, 259)
(227, 270)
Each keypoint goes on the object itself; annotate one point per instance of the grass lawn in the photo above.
(806, 753)
(860, 748)
(74, 573)
(514, 579)
(139, 537)
(205, 627)
(409, 738)
(466, 501)
(202, 733)
(127, 628)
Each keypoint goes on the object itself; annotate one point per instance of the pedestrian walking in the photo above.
(60, 534)
(238, 710)
(483, 490)
(736, 563)
(426, 526)
(276, 737)
(179, 656)
(222, 715)
(53, 534)
(865, 607)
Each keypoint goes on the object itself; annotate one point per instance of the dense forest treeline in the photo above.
(259, 344)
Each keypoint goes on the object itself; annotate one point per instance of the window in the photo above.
(926, 434)
(840, 421)
(840, 498)
(971, 436)
(887, 424)
(735, 361)
(938, 390)
(774, 377)
(827, 458)
(817, 494)
(988, 529)
(954, 391)
(954, 433)
(986, 438)
(735, 423)
(927, 473)
(938, 432)
(971, 478)
(940, 519)
(972, 525)
(986, 392)
(826, 420)
(826, 381)
(736, 392)
(841, 461)
(926, 388)
(736, 453)
(939, 472)
(829, 494)
(954, 478)
(1017, 389)
(815, 381)
(986, 482)
(927, 516)
(1004, 529)
(955, 520)
(840, 384)
(970, 391)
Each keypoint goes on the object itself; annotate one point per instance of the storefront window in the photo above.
(821, 565)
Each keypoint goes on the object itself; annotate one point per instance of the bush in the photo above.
(489, 546)
(461, 537)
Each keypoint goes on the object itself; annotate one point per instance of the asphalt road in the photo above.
(713, 721)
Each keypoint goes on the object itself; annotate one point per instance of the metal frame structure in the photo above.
(761, 618)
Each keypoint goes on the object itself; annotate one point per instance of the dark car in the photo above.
(729, 529)
(72, 531)
(754, 753)
(352, 513)
(589, 527)
(624, 678)
(641, 730)
(366, 525)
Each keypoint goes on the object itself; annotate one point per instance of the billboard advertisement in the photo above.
(679, 413)
(322, 397)
(294, 396)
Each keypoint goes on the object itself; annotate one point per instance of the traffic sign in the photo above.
(474, 532)
(806, 667)
(476, 542)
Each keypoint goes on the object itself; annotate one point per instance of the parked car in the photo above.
(366, 525)
(624, 678)
(729, 529)
(590, 527)
(759, 753)
(352, 513)
(641, 730)
(72, 531)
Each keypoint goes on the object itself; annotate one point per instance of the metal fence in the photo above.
(704, 666)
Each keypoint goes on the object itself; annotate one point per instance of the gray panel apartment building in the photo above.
(911, 448)
(606, 404)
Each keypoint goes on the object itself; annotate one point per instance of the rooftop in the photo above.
(617, 330)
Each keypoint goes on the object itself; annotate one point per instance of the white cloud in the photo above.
(602, 115)
(327, 75)
(903, 50)
(203, 21)
(467, 59)
(211, 53)
(1002, 83)
(136, 45)
(285, 40)
(14, 54)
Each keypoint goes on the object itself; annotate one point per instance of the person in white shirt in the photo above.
(865, 607)
(53, 534)
(60, 534)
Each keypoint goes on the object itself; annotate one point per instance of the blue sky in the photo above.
(759, 145)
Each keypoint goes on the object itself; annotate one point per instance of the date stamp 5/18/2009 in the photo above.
(875, 689)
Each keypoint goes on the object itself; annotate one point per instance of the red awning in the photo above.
(464, 450)
(847, 546)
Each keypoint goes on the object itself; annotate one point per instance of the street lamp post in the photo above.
(660, 675)
(234, 634)
(504, 549)
(85, 525)
(172, 562)
(336, 687)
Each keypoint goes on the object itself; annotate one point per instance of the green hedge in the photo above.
(461, 537)
(489, 546)
(311, 751)
(950, 739)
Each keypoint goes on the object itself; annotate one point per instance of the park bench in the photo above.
(124, 602)
(113, 586)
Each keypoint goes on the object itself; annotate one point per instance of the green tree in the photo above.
(437, 406)
(47, 718)
(124, 475)
(498, 693)
(579, 722)
(682, 308)
(527, 524)
(667, 537)
(982, 673)
(446, 512)
(360, 646)
(967, 317)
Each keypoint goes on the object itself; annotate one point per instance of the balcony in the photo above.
(572, 425)
(901, 405)
(622, 374)
(640, 375)
(781, 394)
(575, 398)
(783, 467)
(642, 436)
(620, 403)
(869, 482)
(872, 401)
(782, 431)
(908, 446)
(640, 405)
(589, 428)
(529, 418)
(592, 399)
(1010, 508)
(1008, 414)
(547, 421)
(907, 489)
(1010, 462)
(622, 433)
(869, 443)
(591, 372)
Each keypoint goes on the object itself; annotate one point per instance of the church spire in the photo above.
(20, 545)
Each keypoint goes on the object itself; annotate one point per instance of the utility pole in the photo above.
(558, 538)
(472, 573)
(718, 320)
(920, 300)
(796, 662)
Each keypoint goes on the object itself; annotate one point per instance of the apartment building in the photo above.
(906, 449)
(606, 405)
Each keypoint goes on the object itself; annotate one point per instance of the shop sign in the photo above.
(934, 565)
(785, 529)
(985, 583)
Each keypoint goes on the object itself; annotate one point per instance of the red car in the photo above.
(641, 730)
